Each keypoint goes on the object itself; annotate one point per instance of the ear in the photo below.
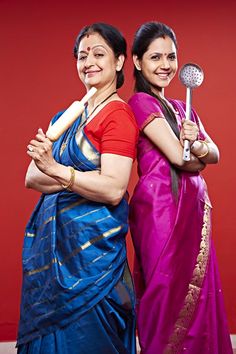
(120, 62)
(137, 63)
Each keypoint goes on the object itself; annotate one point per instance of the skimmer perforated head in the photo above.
(191, 75)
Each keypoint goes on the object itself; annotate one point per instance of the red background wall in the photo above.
(38, 78)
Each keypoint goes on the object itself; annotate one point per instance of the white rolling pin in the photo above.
(69, 116)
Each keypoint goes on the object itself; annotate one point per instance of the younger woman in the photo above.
(180, 308)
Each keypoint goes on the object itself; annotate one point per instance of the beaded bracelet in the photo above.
(72, 179)
(205, 153)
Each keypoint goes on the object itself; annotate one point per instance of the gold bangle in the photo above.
(72, 179)
(205, 153)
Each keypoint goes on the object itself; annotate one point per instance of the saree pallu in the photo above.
(179, 299)
(75, 274)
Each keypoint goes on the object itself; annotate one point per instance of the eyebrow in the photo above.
(94, 47)
(162, 53)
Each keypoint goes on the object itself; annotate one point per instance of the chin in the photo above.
(164, 84)
(91, 83)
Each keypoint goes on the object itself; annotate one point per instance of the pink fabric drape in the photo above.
(180, 305)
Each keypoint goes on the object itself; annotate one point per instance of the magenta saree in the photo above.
(180, 305)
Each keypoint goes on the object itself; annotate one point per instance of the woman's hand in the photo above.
(189, 131)
(40, 150)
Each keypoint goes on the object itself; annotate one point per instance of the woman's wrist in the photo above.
(200, 148)
(64, 175)
(71, 181)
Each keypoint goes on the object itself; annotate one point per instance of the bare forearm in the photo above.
(39, 181)
(46, 189)
(193, 165)
(206, 151)
(91, 184)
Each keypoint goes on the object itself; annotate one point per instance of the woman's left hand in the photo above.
(189, 131)
(40, 150)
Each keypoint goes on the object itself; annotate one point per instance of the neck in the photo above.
(100, 95)
(100, 101)
(158, 92)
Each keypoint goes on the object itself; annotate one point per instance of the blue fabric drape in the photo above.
(74, 259)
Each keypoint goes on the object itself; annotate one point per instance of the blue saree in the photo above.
(77, 293)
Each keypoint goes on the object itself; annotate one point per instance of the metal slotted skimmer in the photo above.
(191, 75)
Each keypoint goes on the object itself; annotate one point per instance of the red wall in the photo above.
(38, 78)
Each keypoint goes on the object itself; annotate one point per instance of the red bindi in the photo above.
(87, 35)
(88, 49)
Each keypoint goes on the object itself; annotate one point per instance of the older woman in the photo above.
(77, 294)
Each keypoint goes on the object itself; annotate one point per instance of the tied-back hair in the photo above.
(113, 38)
(144, 36)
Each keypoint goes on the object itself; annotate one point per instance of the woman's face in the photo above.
(96, 63)
(159, 63)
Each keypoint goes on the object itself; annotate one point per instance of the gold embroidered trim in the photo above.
(88, 264)
(76, 251)
(72, 205)
(190, 302)
(150, 119)
(66, 305)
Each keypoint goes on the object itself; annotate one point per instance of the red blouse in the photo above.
(114, 130)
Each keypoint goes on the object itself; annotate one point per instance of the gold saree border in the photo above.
(194, 289)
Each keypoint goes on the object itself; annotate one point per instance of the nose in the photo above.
(89, 60)
(165, 63)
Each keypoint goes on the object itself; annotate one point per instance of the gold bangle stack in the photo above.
(205, 153)
(72, 179)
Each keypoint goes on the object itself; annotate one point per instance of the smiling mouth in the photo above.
(92, 72)
(163, 76)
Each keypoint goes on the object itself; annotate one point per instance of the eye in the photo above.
(155, 57)
(172, 57)
(82, 57)
(98, 55)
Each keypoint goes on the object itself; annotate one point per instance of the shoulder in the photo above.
(141, 98)
(120, 111)
(117, 105)
(143, 102)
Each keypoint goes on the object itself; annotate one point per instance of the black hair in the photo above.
(113, 38)
(144, 36)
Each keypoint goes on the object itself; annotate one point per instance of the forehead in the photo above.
(162, 45)
(92, 40)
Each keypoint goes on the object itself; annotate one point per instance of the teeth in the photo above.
(163, 76)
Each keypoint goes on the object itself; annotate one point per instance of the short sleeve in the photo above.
(145, 108)
(119, 133)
